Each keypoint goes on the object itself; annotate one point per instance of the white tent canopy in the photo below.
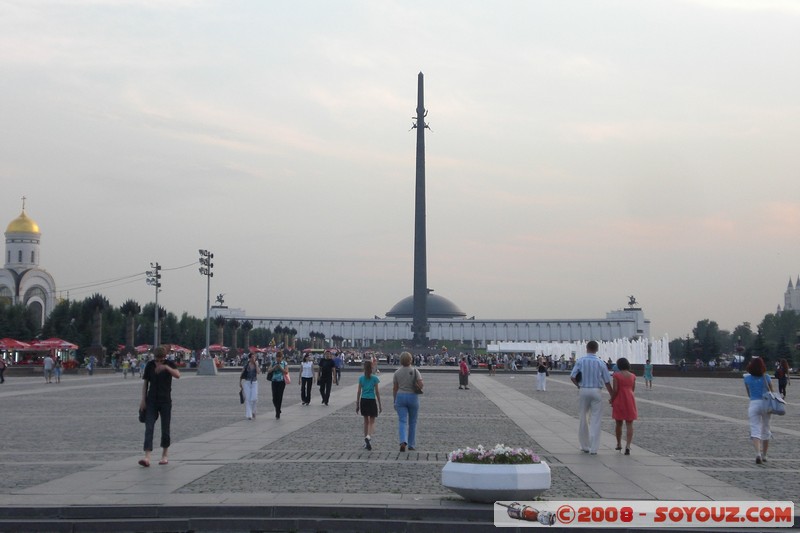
(636, 351)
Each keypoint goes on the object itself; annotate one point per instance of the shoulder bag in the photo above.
(773, 404)
(417, 379)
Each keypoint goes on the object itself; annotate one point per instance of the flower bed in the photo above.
(496, 474)
(499, 455)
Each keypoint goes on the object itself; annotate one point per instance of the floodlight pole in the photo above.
(205, 269)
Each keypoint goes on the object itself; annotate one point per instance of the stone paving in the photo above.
(88, 424)
(703, 439)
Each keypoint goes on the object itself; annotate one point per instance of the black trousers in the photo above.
(277, 394)
(325, 389)
(305, 389)
(152, 412)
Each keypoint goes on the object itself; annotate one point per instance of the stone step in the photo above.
(234, 519)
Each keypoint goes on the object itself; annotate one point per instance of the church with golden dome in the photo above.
(21, 280)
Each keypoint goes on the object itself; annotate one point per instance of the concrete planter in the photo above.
(491, 483)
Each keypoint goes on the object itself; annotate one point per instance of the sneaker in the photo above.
(367, 444)
(411, 449)
(764, 458)
(758, 459)
(402, 446)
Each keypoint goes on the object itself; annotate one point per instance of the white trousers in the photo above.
(759, 420)
(541, 381)
(250, 389)
(590, 419)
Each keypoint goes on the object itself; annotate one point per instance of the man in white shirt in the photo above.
(48, 368)
(593, 376)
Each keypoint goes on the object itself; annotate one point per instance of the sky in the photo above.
(579, 152)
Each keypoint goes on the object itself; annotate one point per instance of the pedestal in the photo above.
(491, 483)
(206, 367)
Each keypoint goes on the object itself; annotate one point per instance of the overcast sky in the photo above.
(579, 152)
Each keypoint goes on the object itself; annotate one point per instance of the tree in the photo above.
(220, 322)
(707, 335)
(17, 322)
(96, 304)
(234, 325)
(94, 307)
(130, 309)
(247, 326)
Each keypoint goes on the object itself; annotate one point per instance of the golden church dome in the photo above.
(23, 224)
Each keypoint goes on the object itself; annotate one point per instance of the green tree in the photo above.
(219, 322)
(247, 327)
(707, 335)
(96, 304)
(17, 322)
(130, 309)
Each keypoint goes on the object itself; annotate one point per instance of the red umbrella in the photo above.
(8, 345)
(176, 348)
(142, 348)
(217, 348)
(256, 349)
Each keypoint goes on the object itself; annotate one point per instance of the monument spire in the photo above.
(419, 326)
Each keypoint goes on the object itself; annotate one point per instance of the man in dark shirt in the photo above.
(157, 401)
(326, 375)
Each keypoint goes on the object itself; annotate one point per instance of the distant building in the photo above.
(627, 323)
(21, 280)
(791, 298)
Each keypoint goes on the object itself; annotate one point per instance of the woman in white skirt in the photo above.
(248, 383)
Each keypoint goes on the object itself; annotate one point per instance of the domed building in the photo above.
(21, 280)
(437, 307)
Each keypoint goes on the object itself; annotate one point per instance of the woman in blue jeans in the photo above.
(406, 401)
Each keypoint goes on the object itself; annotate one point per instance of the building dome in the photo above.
(23, 224)
(437, 307)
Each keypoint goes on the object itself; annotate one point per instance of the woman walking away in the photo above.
(157, 401)
(623, 403)
(306, 379)
(756, 383)
(279, 370)
(782, 375)
(648, 375)
(463, 374)
(406, 401)
(368, 401)
(248, 384)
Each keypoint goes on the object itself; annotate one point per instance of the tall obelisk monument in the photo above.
(419, 326)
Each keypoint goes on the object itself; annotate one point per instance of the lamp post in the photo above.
(154, 279)
(205, 269)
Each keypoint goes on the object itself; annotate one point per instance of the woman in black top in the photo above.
(248, 385)
(157, 401)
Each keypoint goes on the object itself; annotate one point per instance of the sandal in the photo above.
(144, 463)
(163, 462)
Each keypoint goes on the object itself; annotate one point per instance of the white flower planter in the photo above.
(491, 483)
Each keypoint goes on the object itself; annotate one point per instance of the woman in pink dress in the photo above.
(623, 404)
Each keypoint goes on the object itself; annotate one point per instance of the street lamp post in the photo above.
(154, 279)
(205, 269)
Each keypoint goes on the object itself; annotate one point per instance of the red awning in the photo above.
(52, 344)
(7, 345)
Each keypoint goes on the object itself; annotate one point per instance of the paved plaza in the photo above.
(77, 443)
